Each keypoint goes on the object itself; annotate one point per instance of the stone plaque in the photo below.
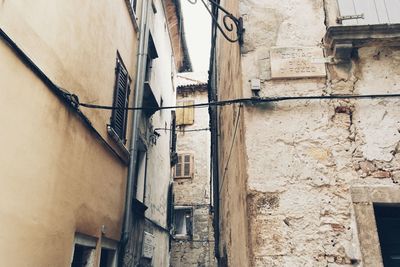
(148, 245)
(297, 62)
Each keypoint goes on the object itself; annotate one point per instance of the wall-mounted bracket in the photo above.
(229, 20)
(340, 19)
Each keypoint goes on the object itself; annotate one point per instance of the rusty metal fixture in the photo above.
(230, 22)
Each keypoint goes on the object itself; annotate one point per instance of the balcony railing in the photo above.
(363, 12)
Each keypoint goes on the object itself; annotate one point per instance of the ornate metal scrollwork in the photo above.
(229, 20)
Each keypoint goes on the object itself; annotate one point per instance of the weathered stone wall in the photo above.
(304, 157)
(200, 250)
(195, 192)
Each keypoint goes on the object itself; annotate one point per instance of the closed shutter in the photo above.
(121, 94)
(185, 116)
(184, 167)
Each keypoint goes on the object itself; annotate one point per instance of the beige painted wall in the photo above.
(57, 176)
(75, 43)
(233, 214)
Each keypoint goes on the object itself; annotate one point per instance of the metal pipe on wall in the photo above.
(138, 102)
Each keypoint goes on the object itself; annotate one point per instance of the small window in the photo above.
(372, 11)
(388, 224)
(183, 221)
(84, 251)
(132, 4)
(184, 167)
(119, 117)
(185, 116)
(108, 256)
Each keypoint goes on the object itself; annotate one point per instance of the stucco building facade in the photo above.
(84, 180)
(308, 181)
(193, 242)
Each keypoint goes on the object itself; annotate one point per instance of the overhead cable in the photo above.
(253, 100)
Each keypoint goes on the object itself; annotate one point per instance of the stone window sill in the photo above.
(341, 40)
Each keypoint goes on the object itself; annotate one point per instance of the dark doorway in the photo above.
(388, 224)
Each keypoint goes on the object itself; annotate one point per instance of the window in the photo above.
(372, 11)
(183, 222)
(119, 117)
(132, 4)
(184, 167)
(185, 116)
(388, 223)
(84, 251)
(174, 155)
(108, 256)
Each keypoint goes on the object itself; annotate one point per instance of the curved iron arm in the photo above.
(229, 20)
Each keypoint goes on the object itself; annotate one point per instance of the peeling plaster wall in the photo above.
(304, 157)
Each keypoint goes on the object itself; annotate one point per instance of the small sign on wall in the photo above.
(148, 245)
(297, 62)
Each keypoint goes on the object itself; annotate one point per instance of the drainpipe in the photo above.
(138, 101)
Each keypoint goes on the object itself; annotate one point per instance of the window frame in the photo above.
(132, 9)
(87, 242)
(111, 245)
(189, 234)
(364, 198)
(191, 166)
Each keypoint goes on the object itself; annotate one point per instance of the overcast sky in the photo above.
(197, 23)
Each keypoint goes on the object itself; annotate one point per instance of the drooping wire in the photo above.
(253, 101)
(183, 131)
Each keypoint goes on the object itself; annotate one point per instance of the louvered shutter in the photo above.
(188, 116)
(187, 165)
(121, 93)
(180, 114)
(178, 167)
(184, 167)
(185, 116)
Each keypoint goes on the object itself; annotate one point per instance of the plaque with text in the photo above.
(148, 245)
(297, 62)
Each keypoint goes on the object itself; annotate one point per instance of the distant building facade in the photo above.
(308, 182)
(193, 242)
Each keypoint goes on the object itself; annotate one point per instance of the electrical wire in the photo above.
(183, 131)
(253, 101)
(231, 148)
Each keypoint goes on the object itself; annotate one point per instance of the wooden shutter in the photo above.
(185, 116)
(184, 167)
(121, 94)
(178, 167)
(188, 113)
(179, 114)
